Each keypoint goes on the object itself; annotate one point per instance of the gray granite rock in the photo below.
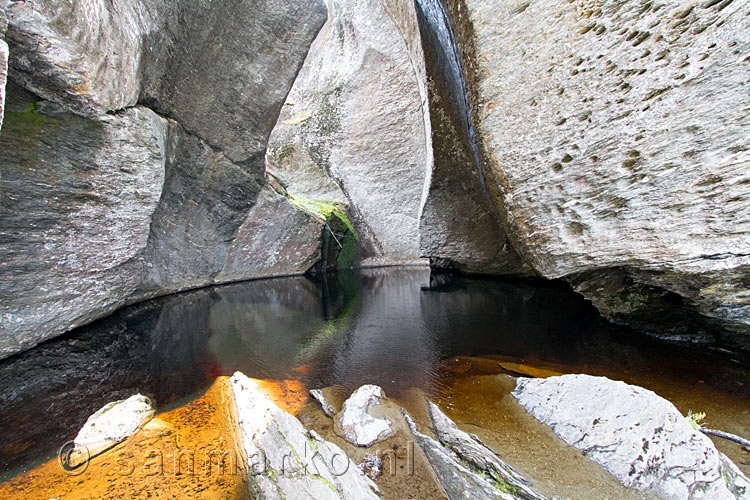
(472, 450)
(3, 76)
(458, 481)
(639, 437)
(78, 197)
(615, 135)
(319, 396)
(352, 130)
(85, 55)
(459, 226)
(284, 460)
(124, 204)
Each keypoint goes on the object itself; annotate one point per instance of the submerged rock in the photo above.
(472, 450)
(615, 136)
(112, 424)
(458, 481)
(319, 396)
(361, 422)
(639, 437)
(284, 460)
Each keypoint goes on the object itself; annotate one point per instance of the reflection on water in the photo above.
(384, 326)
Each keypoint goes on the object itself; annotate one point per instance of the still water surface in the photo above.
(391, 327)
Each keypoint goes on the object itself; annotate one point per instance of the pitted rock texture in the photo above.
(639, 437)
(616, 136)
(105, 201)
(353, 130)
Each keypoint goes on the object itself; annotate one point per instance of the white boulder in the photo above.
(360, 421)
(112, 424)
(638, 436)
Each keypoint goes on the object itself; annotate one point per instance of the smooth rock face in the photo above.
(639, 437)
(64, 51)
(78, 197)
(352, 130)
(125, 204)
(459, 228)
(472, 450)
(617, 137)
(359, 421)
(287, 461)
(223, 69)
(112, 424)
(457, 480)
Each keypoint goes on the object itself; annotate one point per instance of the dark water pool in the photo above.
(391, 327)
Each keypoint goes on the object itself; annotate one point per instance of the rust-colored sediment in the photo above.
(146, 464)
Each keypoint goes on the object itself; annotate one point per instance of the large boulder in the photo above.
(105, 201)
(285, 460)
(353, 131)
(639, 437)
(615, 136)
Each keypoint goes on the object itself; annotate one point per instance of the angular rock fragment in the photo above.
(284, 460)
(457, 480)
(472, 450)
(360, 420)
(639, 437)
(112, 424)
(319, 396)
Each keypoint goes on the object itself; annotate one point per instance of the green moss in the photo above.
(27, 122)
(284, 152)
(332, 213)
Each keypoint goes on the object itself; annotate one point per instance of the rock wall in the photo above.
(3, 63)
(615, 134)
(132, 154)
(459, 227)
(352, 130)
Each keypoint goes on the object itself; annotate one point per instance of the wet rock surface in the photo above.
(319, 395)
(459, 226)
(112, 424)
(613, 135)
(639, 437)
(455, 477)
(287, 461)
(361, 420)
(475, 452)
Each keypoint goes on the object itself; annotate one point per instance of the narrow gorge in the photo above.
(438, 197)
